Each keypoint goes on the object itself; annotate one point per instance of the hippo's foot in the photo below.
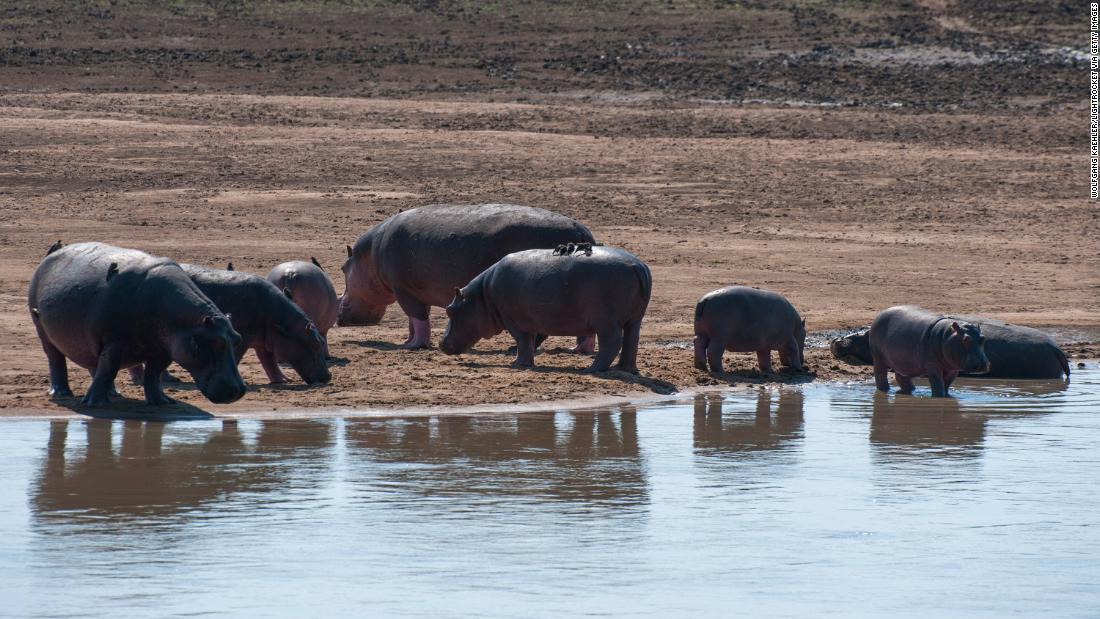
(279, 380)
(60, 391)
(521, 363)
(158, 399)
(415, 345)
(628, 369)
(95, 400)
(585, 345)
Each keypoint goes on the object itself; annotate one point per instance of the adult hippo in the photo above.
(107, 308)
(420, 256)
(912, 342)
(540, 292)
(744, 319)
(1014, 352)
(307, 284)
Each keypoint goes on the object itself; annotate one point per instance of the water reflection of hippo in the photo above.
(1013, 351)
(418, 257)
(145, 477)
(917, 426)
(541, 455)
(727, 432)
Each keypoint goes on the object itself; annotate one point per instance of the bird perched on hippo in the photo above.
(418, 257)
(107, 308)
(575, 290)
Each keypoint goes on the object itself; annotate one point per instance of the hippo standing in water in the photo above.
(420, 256)
(915, 342)
(540, 292)
(307, 284)
(744, 319)
(108, 308)
(1014, 351)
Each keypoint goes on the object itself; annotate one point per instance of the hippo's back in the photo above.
(429, 251)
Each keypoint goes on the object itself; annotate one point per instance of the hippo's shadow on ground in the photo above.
(129, 408)
(337, 362)
(377, 345)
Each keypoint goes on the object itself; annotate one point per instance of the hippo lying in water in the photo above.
(1013, 351)
(307, 284)
(420, 256)
(744, 319)
(540, 292)
(915, 342)
(107, 308)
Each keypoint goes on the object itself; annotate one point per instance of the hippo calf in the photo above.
(107, 308)
(307, 284)
(912, 341)
(744, 319)
(540, 292)
(268, 322)
(1014, 352)
(417, 258)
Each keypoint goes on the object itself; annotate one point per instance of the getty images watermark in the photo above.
(1094, 103)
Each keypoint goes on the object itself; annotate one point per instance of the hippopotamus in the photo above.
(744, 319)
(539, 292)
(307, 284)
(107, 308)
(418, 257)
(912, 341)
(1014, 352)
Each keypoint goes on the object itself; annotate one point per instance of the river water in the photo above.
(793, 501)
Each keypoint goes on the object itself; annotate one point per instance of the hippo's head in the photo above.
(854, 348)
(298, 343)
(468, 323)
(365, 297)
(965, 348)
(207, 352)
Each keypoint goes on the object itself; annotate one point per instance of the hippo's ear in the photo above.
(458, 294)
(112, 270)
(955, 327)
(315, 263)
(349, 250)
(229, 267)
(208, 322)
(288, 293)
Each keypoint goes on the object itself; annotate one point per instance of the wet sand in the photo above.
(958, 200)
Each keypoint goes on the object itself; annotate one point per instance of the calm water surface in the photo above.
(793, 502)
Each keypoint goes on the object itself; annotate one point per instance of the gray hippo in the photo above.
(912, 341)
(307, 284)
(108, 308)
(420, 256)
(540, 292)
(744, 319)
(1014, 352)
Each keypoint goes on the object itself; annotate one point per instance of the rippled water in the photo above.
(802, 502)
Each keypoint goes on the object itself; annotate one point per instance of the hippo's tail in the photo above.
(645, 280)
(1063, 360)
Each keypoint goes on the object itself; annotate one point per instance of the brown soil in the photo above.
(969, 197)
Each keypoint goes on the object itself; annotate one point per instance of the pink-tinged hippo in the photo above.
(307, 284)
(912, 342)
(107, 308)
(744, 319)
(1014, 351)
(417, 258)
(580, 291)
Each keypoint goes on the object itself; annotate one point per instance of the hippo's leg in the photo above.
(420, 328)
(715, 349)
(789, 355)
(610, 342)
(905, 383)
(154, 394)
(114, 391)
(539, 339)
(137, 375)
(103, 381)
(701, 342)
(881, 379)
(586, 344)
(271, 367)
(59, 367)
(525, 349)
(764, 358)
(628, 358)
(935, 380)
(948, 378)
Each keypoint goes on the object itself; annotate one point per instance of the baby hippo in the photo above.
(307, 284)
(576, 290)
(744, 319)
(915, 342)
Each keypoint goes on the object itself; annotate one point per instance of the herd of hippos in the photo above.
(494, 267)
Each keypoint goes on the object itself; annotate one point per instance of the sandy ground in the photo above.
(977, 206)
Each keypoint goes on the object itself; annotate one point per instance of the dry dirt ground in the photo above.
(928, 153)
